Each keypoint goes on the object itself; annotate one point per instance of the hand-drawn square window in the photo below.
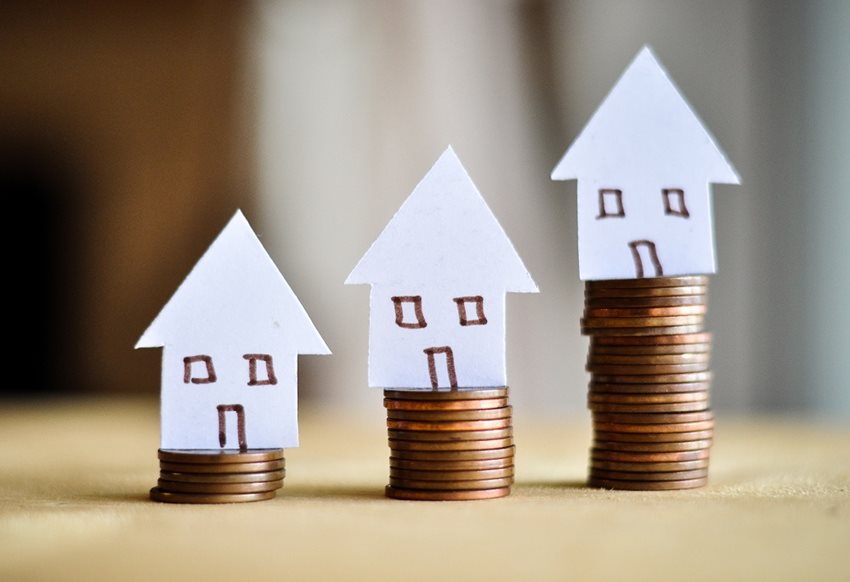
(471, 305)
(270, 379)
(408, 312)
(204, 374)
(674, 202)
(611, 203)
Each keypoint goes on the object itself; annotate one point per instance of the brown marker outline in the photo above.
(618, 196)
(417, 310)
(187, 370)
(270, 380)
(479, 310)
(668, 207)
(653, 254)
(432, 365)
(240, 425)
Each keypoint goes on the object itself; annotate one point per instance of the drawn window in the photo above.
(674, 202)
(611, 203)
(408, 312)
(198, 374)
(473, 305)
(268, 378)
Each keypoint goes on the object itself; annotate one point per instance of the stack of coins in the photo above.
(449, 445)
(650, 379)
(213, 476)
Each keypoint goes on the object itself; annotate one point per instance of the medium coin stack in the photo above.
(213, 476)
(450, 445)
(650, 379)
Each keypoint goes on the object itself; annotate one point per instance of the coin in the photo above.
(663, 476)
(450, 415)
(485, 404)
(502, 454)
(648, 291)
(657, 447)
(222, 468)
(672, 418)
(157, 494)
(647, 359)
(502, 473)
(222, 477)
(450, 446)
(418, 465)
(449, 426)
(597, 312)
(658, 437)
(678, 281)
(183, 487)
(649, 457)
(628, 302)
(647, 485)
(659, 340)
(452, 485)
(648, 369)
(648, 388)
(649, 467)
(643, 399)
(640, 331)
(696, 406)
(652, 378)
(208, 456)
(654, 428)
(417, 495)
(429, 394)
(462, 435)
(629, 322)
(649, 350)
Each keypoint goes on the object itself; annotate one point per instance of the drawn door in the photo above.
(645, 255)
(239, 411)
(441, 367)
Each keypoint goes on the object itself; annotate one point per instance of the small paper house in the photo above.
(644, 163)
(439, 273)
(231, 335)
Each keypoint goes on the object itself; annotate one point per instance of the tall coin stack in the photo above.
(650, 379)
(449, 445)
(219, 476)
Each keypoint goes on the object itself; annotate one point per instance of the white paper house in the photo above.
(644, 163)
(231, 335)
(439, 273)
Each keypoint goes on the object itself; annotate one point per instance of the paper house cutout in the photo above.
(644, 163)
(231, 335)
(439, 272)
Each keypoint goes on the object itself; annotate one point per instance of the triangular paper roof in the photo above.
(645, 126)
(444, 233)
(235, 290)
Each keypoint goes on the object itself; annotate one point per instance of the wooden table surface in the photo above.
(74, 506)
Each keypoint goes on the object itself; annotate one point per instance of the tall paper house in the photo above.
(231, 335)
(439, 273)
(644, 163)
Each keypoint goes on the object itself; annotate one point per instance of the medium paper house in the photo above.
(439, 273)
(231, 335)
(644, 163)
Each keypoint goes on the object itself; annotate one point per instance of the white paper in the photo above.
(443, 244)
(234, 303)
(642, 139)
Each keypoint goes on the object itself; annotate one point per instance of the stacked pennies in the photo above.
(218, 476)
(649, 387)
(449, 445)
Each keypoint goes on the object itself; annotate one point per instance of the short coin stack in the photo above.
(449, 445)
(650, 379)
(213, 476)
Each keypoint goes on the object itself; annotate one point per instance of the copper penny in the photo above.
(450, 415)
(658, 437)
(666, 476)
(450, 446)
(661, 447)
(697, 406)
(677, 427)
(464, 485)
(609, 322)
(502, 454)
(640, 331)
(212, 456)
(596, 387)
(485, 404)
(450, 436)
(451, 465)
(429, 394)
(621, 302)
(652, 378)
(449, 426)
(648, 359)
(648, 369)
(641, 399)
(649, 350)
(222, 468)
(647, 485)
(222, 477)
(502, 473)
(649, 457)
(594, 312)
(648, 291)
(416, 495)
(157, 494)
(649, 467)
(677, 281)
(672, 418)
(216, 488)
(659, 340)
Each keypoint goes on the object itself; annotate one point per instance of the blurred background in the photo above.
(131, 131)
